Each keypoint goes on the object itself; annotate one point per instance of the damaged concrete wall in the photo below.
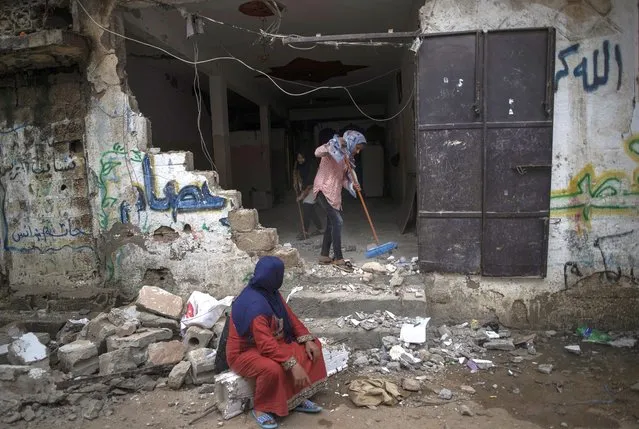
(156, 220)
(594, 226)
(45, 213)
(85, 203)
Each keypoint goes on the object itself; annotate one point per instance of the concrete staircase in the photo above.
(327, 299)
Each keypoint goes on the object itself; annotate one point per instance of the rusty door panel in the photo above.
(517, 247)
(444, 154)
(447, 79)
(518, 170)
(450, 245)
(516, 76)
(450, 153)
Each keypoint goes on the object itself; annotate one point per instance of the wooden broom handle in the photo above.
(361, 198)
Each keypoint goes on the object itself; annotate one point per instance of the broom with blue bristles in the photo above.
(372, 251)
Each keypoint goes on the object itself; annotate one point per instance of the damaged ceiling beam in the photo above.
(372, 37)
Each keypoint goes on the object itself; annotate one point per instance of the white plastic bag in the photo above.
(203, 310)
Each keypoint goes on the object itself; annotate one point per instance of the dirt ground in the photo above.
(587, 391)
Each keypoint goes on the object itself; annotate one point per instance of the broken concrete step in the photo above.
(311, 304)
(356, 338)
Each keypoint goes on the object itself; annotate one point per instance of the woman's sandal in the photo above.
(265, 421)
(344, 265)
(308, 407)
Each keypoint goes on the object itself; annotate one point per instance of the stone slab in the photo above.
(166, 352)
(158, 301)
(140, 339)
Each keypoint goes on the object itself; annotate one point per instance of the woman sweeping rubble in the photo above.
(267, 342)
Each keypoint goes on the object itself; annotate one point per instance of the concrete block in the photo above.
(119, 316)
(139, 340)
(148, 320)
(79, 357)
(98, 330)
(11, 372)
(258, 240)
(27, 350)
(502, 344)
(128, 328)
(178, 375)
(166, 353)
(243, 220)
(4, 354)
(202, 365)
(196, 337)
(289, 255)
(335, 358)
(234, 394)
(156, 300)
(120, 360)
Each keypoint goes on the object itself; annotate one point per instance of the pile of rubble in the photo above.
(91, 363)
(466, 344)
(112, 354)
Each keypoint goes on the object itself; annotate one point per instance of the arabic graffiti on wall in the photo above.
(37, 167)
(190, 198)
(45, 206)
(612, 192)
(595, 75)
(618, 261)
(175, 199)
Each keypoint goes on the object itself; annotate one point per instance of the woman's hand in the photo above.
(300, 377)
(312, 350)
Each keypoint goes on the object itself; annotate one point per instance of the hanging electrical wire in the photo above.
(232, 58)
(198, 99)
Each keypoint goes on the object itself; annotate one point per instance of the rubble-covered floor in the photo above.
(356, 234)
(586, 391)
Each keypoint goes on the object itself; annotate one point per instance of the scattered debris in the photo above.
(623, 342)
(411, 385)
(545, 368)
(178, 375)
(465, 411)
(28, 350)
(574, 349)
(445, 394)
(501, 344)
(374, 268)
(414, 333)
(467, 389)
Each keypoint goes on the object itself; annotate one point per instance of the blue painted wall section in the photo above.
(188, 199)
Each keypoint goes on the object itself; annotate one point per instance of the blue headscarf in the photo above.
(261, 297)
(353, 138)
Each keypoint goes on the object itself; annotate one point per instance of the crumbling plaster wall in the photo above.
(85, 203)
(593, 255)
(45, 215)
(154, 217)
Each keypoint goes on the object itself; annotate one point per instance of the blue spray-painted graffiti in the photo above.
(581, 69)
(188, 199)
(47, 232)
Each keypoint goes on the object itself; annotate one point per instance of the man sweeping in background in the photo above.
(303, 183)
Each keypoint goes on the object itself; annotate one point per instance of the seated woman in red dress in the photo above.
(267, 342)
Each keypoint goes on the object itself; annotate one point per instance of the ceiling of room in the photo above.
(308, 64)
